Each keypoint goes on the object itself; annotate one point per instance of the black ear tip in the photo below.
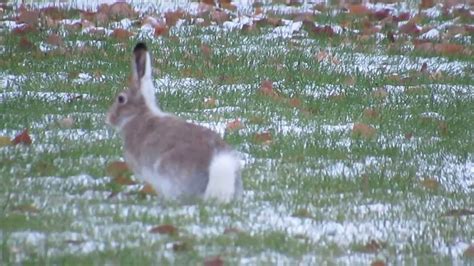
(140, 46)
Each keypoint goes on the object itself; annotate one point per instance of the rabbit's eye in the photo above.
(121, 99)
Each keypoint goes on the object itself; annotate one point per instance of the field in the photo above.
(355, 123)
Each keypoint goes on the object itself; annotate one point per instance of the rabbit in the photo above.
(179, 159)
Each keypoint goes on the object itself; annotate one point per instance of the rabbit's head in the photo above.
(139, 97)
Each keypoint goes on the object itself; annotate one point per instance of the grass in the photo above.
(315, 194)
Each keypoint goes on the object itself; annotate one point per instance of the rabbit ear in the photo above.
(141, 65)
(141, 74)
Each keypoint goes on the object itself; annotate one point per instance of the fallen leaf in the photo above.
(266, 89)
(5, 141)
(210, 102)
(370, 113)
(161, 30)
(294, 102)
(213, 261)
(232, 230)
(378, 263)
(410, 28)
(380, 93)
(263, 138)
(234, 125)
(430, 183)
(181, 246)
(25, 208)
(147, 190)
(426, 4)
(117, 168)
(358, 9)
(55, 39)
(120, 10)
(23, 29)
(53, 12)
(206, 50)
(164, 229)
(363, 130)
(469, 252)
(123, 180)
(443, 128)
(66, 122)
(219, 16)
(22, 138)
(26, 44)
(121, 34)
(401, 17)
(381, 14)
(28, 16)
(448, 48)
(458, 212)
(373, 246)
(172, 17)
(408, 135)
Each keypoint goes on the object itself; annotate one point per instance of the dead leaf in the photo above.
(147, 190)
(161, 30)
(380, 93)
(363, 130)
(408, 135)
(213, 261)
(172, 17)
(430, 183)
(378, 263)
(66, 122)
(372, 246)
(232, 230)
(234, 125)
(53, 12)
(26, 44)
(401, 17)
(410, 28)
(469, 252)
(30, 17)
(206, 50)
(23, 29)
(294, 102)
(370, 113)
(117, 168)
(381, 14)
(266, 89)
(263, 138)
(443, 128)
(55, 39)
(164, 229)
(358, 10)
(123, 180)
(120, 10)
(448, 48)
(5, 141)
(22, 138)
(458, 212)
(121, 34)
(426, 4)
(181, 246)
(219, 16)
(210, 102)
(30, 208)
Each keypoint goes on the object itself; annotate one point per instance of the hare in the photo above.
(179, 159)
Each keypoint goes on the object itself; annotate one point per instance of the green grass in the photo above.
(316, 194)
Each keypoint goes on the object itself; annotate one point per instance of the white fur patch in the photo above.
(148, 90)
(222, 174)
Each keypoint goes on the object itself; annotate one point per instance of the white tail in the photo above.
(223, 170)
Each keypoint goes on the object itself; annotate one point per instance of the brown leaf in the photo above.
(23, 29)
(172, 17)
(55, 39)
(219, 16)
(448, 48)
(206, 50)
(410, 28)
(266, 89)
(381, 14)
(28, 16)
(210, 102)
(378, 263)
(147, 190)
(430, 183)
(358, 9)
(443, 128)
(117, 168)
(53, 12)
(408, 135)
(161, 30)
(232, 230)
(22, 138)
(402, 17)
(123, 180)
(213, 261)
(120, 10)
(469, 252)
(370, 113)
(121, 34)
(458, 212)
(181, 246)
(426, 4)
(234, 125)
(263, 138)
(26, 44)
(373, 246)
(5, 141)
(25, 208)
(167, 229)
(228, 6)
(294, 102)
(380, 93)
(363, 130)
